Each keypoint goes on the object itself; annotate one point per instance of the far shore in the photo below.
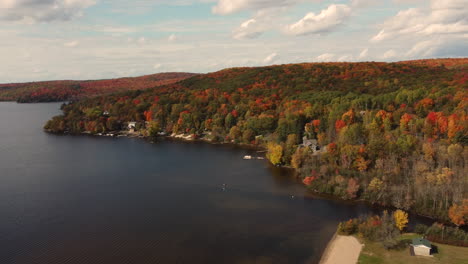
(342, 250)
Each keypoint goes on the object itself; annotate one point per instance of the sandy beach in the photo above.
(342, 250)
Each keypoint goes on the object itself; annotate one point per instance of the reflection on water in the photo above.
(66, 199)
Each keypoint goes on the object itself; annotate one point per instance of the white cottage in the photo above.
(421, 246)
(131, 126)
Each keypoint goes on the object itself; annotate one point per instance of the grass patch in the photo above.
(363, 258)
(374, 253)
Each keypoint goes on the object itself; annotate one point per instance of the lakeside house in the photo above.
(131, 126)
(421, 247)
(310, 143)
(313, 145)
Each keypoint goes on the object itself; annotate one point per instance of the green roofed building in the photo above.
(421, 246)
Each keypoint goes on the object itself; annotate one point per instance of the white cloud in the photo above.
(270, 58)
(407, 1)
(328, 20)
(326, 57)
(345, 58)
(390, 54)
(442, 47)
(434, 30)
(248, 30)
(407, 21)
(423, 49)
(141, 40)
(262, 21)
(42, 10)
(364, 53)
(172, 38)
(71, 44)
(442, 17)
(224, 7)
(114, 30)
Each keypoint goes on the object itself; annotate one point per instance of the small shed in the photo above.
(421, 246)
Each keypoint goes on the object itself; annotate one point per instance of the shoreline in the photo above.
(342, 250)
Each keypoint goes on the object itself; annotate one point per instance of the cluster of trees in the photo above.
(57, 91)
(390, 133)
(385, 228)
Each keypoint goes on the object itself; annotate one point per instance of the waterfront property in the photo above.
(131, 126)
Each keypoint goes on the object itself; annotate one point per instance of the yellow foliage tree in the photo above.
(275, 153)
(298, 157)
(375, 185)
(401, 219)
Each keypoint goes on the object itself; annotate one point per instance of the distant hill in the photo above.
(448, 63)
(53, 91)
(65, 90)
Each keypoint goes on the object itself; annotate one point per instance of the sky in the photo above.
(97, 39)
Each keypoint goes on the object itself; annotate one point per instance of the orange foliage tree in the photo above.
(458, 214)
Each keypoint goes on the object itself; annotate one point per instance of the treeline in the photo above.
(58, 91)
(390, 133)
(386, 229)
(443, 234)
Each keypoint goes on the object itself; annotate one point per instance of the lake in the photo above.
(84, 199)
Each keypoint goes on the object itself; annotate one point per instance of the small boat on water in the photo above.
(248, 157)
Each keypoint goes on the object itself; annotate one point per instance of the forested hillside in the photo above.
(57, 91)
(390, 133)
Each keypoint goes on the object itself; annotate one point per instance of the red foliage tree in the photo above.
(339, 124)
(432, 118)
(316, 124)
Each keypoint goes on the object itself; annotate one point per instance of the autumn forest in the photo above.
(393, 134)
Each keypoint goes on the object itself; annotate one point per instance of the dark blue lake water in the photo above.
(69, 199)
